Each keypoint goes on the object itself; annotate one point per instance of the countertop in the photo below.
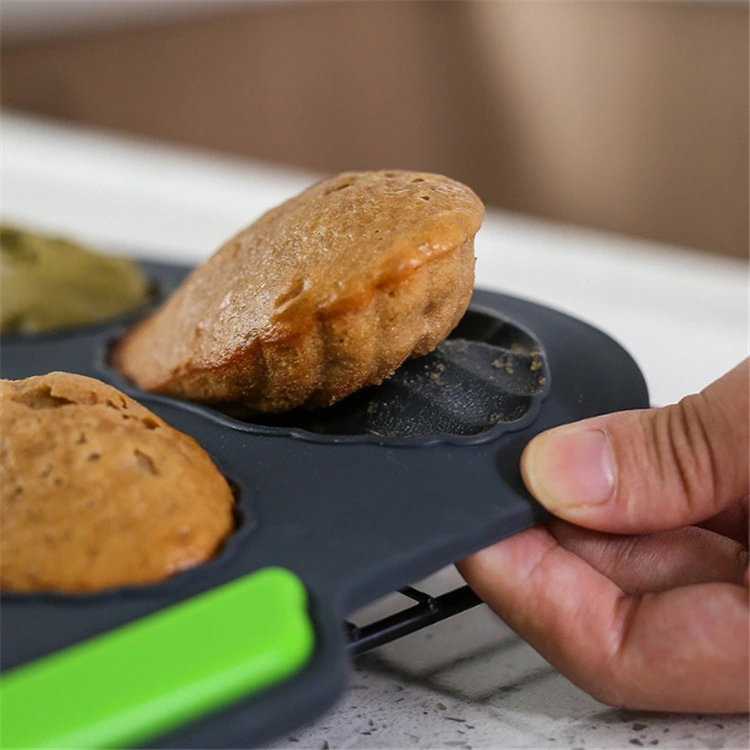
(468, 681)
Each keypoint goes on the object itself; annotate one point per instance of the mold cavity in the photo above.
(418, 179)
(150, 423)
(92, 457)
(489, 371)
(42, 398)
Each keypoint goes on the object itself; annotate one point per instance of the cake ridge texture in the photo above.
(326, 293)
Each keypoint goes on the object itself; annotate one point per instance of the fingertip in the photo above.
(484, 564)
(567, 469)
(496, 573)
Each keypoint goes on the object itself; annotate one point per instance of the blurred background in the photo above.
(624, 116)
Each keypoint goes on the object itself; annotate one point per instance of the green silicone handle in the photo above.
(159, 672)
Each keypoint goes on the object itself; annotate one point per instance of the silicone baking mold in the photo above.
(336, 508)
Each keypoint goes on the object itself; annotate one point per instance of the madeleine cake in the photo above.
(52, 284)
(329, 292)
(98, 492)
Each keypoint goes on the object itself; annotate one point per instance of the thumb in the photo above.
(647, 470)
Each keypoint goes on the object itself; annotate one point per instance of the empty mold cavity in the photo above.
(488, 372)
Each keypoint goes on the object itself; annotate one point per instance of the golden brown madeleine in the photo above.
(322, 295)
(96, 491)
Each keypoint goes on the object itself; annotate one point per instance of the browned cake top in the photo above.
(322, 253)
(97, 491)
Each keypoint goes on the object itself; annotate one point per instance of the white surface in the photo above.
(467, 681)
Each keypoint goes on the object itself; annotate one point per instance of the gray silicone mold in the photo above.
(358, 500)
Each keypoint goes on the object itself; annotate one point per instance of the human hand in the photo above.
(639, 595)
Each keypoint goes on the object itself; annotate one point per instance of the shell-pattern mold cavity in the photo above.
(490, 372)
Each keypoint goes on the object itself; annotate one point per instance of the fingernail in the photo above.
(569, 466)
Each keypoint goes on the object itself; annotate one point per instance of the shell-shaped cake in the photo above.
(329, 292)
(98, 492)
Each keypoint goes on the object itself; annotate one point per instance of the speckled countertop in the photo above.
(467, 681)
(470, 682)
